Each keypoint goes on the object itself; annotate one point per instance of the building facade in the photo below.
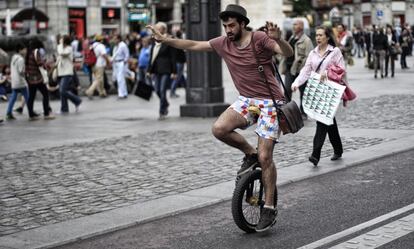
(363, 13)
(87, 17)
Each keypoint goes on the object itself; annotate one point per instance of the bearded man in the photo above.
(236, 50)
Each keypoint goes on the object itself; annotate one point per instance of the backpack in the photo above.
(90, 57)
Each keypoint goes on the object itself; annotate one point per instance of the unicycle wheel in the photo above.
(248, 200)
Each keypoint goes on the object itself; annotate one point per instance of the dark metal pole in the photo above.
(204, 92)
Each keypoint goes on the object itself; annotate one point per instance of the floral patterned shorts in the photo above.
(267, 124)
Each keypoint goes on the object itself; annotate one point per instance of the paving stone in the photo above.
(51, 185)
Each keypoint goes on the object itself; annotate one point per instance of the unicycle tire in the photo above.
(248, 200)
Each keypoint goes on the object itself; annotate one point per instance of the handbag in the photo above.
(394, 50)
(143, 90)
(42, 70)
(288, 115)
(336, 74)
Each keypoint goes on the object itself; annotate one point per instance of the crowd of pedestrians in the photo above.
(138, 58)
(383, 45)
(133, 59)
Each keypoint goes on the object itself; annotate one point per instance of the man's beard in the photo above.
(234, 37)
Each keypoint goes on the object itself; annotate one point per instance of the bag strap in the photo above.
(320, 63)
(260, 68)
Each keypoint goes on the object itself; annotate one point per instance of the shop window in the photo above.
(366, 20)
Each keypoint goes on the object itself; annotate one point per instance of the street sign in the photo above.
(380, 14)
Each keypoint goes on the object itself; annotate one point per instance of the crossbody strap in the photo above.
(320, 63)
(260, 68)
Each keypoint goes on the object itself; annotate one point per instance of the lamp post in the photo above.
(204, 92)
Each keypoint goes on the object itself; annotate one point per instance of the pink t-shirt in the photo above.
(243, 66)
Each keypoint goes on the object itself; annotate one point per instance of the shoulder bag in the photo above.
(288, 115)
(42, 70)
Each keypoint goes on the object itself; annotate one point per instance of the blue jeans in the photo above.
(161, 85)
(12, 100)
(179, 79)
(66, 93)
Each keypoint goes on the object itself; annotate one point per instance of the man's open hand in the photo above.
(156, 35)
(273, 31)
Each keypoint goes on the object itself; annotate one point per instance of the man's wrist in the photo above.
(166, 39)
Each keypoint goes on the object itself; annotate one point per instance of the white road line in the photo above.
(381, 235)
(358, 228)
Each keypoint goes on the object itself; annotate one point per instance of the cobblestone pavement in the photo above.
(383, 112)
(55, 184)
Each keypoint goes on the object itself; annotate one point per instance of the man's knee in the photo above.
(265, 158)
(219, 130)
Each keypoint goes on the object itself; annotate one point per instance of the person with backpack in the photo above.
(89, 58)
(99, 68)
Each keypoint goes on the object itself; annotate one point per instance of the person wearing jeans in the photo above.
(18, 79)
(65, 73)
(163, 68)
(161, 84)
(181, 60)
(66, 93)
(12, 100)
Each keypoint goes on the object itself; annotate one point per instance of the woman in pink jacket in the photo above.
(325, 54)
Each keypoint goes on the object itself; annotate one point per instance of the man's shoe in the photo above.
(267, 219)
(162, 117)
(77, 107)
(63, 113)
(314, 160)
(49, 117)
(19, 110)
(10, 117)
(249, 161)
(335, 157)
(34, 118)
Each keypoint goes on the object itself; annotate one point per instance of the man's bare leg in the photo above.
(223, 129)
(268, 213)
(269, 173)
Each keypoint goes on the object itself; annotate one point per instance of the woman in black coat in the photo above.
(392, 51)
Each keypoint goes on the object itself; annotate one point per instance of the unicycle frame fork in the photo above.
(250, 198)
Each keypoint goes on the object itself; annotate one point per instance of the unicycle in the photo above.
(248, 200)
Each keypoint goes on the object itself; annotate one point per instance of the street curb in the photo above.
(93, 225)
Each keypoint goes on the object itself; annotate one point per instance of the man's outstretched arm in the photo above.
(180, 43)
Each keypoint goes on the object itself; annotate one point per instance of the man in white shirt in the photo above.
(119, 64)
(99, 68)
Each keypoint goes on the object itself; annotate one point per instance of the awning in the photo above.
(27, 14)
